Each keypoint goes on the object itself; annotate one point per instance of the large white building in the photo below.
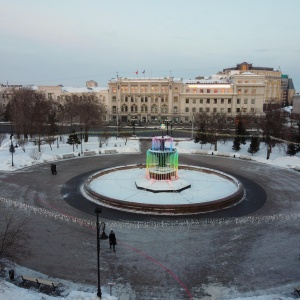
(158, 99)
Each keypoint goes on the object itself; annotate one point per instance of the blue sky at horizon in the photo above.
(69, 42)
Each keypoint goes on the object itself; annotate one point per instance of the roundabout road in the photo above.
(249, 247)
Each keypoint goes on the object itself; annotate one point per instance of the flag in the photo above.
(137, 72)
(143, 72)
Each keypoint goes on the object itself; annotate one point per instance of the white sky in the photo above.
(74, 291)
(70, 42)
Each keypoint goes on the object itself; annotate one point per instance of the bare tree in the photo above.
(91, 112)
(272, 125)
(103, 136)
(14, 236)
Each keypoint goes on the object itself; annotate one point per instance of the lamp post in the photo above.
(168, 122)
(81, 139)
(133, 120)
(12, 149)
(98, 211)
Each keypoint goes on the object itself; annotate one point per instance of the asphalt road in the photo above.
(249, 247)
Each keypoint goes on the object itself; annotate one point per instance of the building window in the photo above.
(238, 101)
(194, 109)
(208, 101)
(175, 99)
(245, 91)
(229, 110)
(201, 109)
(201, 101)
(132, 99)
(176, 90)
(253, 91)
(164, 109)
(124, 108)
(215, 101)
(207, 109)
(154, 109)
(144, 108)
(187, 109)
(229, 101)
(239, 91)
(114, 109)
(215, 91)
(187, 90)
(222, 101)
(114, 89)
(114, 98)
(146, 99)
(208, 91)
(175, 109)
(245, 101)
(201, 91)
(194, 91)
(133, 108)
(252, 101)
(214, 109)
(194, 101)
(187, 101)
(238, 110)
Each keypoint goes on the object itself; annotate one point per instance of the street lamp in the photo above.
(12, 149)
(133, 120)
(81, 139)
(98, 211)
(168, 122)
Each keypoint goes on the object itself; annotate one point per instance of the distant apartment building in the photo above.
(296, 103)
(287, 89)
(273, 79)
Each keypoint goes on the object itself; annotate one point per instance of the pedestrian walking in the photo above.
(112, 240)
(53, 169)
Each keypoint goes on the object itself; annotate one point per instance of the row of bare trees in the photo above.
(34, 116)
(273, 127)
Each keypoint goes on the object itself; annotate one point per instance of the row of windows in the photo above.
(208, 91)
(208, 101)
(145, 89)
(246, 91)
(164, 110)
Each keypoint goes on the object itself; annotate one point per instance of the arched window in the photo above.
(124, 108)
(175, 109)
(164, 109)
(154, 108)
(144, 108)
(133, 108)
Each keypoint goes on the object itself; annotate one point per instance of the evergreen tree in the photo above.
(254, 145)
(236, 144)
(73, 139)
(240, 137)
(292, 149)
(201, 136)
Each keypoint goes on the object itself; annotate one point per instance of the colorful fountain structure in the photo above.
(162, 168)
(162, 186)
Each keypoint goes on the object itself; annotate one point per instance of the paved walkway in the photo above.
(252, 246)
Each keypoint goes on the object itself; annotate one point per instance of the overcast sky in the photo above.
(71, 41)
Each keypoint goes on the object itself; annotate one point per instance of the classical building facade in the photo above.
(156, 100)
(273, 78)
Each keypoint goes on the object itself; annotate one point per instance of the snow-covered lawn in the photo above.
(31, 157)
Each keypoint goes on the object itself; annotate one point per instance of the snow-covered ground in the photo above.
(30, 156)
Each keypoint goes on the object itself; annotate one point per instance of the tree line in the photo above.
(40, 119)
(274, 127)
